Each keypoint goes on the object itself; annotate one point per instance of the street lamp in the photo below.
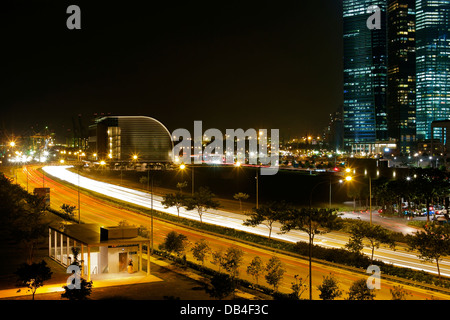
(79, 207)
(370, 195)
(347, 179)
(183, 167)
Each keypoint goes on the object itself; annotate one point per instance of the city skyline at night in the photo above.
(234, 65)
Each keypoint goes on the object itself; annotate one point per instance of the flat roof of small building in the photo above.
(89, 234)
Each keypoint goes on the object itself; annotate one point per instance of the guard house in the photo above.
(102, 249)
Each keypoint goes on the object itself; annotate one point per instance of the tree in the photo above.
(255, 268)
(329, 289)
(82, 293)
(359, 291)
(298, 287)
(202, 201)
(268, 214)
(312, 221)
(28, 224)
(222, 286)
(387, 192)
(33, 275)
(174, 242)
(200, 250)
(177, 200)
(432, 244)
(232, 261)
(85, 287)
(398, 293)
(375, 234)
(68, 209)
(182, 185)
(218, 259)
(241, 196)
(430, 184)
(274, 272)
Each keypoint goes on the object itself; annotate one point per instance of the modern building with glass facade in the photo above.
(130, 138)
(432, 65)
(401, 93)
(365, 75)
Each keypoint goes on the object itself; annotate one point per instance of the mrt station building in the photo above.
(102, 249)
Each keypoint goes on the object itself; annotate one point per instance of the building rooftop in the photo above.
(90, 234)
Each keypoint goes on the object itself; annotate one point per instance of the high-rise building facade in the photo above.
(432, 65)
(365, 73)
(401, 91)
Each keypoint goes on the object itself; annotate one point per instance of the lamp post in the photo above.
(79, 207)
(26, 169)
(348, 179)
(151, 207)
(257, 188)
(183, 167)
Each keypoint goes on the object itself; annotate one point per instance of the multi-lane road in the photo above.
(94, 210)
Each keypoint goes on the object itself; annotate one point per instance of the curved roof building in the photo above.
(119, 138)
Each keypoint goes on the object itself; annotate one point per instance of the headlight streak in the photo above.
(226, 219)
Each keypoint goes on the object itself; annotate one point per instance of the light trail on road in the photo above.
(400, 257)
(101, 212)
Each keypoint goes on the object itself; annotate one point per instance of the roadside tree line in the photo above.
(429, 244)
(225, 280)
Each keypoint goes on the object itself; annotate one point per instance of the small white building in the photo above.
(102, 249)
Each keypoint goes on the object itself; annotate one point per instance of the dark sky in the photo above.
(232, 64)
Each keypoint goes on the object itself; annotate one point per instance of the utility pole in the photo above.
(257, 191)
(79, 209)
(370, 198)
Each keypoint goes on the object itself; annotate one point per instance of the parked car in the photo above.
(424, 211)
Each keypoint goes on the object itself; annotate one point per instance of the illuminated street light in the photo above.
(237, 164)
(348, 178)
(12, 144)
(182, 167)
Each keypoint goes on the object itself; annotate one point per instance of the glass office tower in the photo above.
(401, 93)
(365, 74)
(432, 64)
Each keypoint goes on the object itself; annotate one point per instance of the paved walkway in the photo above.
(99, 281)
(111, 280)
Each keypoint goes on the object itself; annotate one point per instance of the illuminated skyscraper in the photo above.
(365, 75)
(432, 64)
(401, 95)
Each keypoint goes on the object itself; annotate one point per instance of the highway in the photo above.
(94, 210)
(399, 257)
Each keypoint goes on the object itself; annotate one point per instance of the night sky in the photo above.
(232, 64)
